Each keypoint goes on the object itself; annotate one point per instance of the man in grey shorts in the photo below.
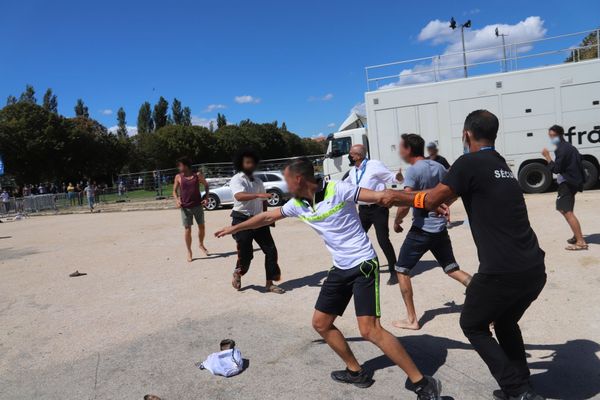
(428, 231)
(186, 192)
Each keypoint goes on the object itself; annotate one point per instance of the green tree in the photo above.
(81, 109)
(588, 49)
(221, 121)
(211, 126)
(187, 116)
(121, 123)
(145, 124)
(28, 96)
(50, 102)
(11, 100)
(284, 127)
(161, 108)
(177, 112)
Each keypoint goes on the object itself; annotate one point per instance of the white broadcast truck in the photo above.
(527, 100)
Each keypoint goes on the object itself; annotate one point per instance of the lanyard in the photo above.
(363, 167)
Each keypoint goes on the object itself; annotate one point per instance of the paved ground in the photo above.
(142, 316)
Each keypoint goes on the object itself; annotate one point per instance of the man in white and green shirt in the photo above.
(330, 209)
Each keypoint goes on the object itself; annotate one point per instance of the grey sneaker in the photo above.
(431, 391)
(361, 380)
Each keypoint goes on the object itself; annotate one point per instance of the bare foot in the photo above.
(189, 257)
(405, 324)
(204, 250)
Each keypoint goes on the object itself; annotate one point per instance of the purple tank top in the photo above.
(189, 191)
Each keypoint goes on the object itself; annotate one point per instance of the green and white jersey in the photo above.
(332, 213)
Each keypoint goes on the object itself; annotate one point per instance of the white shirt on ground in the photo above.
(336, 220)
(241, 183)
(372, 175)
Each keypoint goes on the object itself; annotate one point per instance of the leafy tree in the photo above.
(160, 113)
(11, 100)
(145, 124)
(28, 96)
(121, 123)
(81, 109)
(284, 127)
(221, 121)
(187, 116)
(588, 49)
(50, 102)
(177, 112)
(211, 126)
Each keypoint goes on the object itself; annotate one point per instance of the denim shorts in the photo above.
(418, 242)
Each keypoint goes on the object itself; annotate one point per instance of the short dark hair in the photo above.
(415, 143)
(238, 159)
(482, 124)
(559, 130)
(302, 166)
(184, 161)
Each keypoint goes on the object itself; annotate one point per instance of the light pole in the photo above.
(498, 34)
(462, 34)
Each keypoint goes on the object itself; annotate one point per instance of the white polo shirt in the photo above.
(372, 175)
(241, 183)
(334, 217)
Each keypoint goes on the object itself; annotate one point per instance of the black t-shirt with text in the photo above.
(497, 213)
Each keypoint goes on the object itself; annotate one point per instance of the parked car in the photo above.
(274, 184)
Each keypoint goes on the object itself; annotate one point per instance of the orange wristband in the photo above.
(419, 201)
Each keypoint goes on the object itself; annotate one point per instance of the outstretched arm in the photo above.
(260, 220)
(434, 198)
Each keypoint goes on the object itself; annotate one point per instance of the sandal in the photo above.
(237, 281)
(572, 240)
(577, 247)
(275, 289)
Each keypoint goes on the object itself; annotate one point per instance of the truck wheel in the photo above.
(276, 198)
(212, 202)
(535, 178)
(591, 175)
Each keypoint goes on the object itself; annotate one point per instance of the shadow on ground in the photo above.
(12, 253)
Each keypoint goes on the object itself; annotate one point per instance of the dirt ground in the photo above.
(142, 316)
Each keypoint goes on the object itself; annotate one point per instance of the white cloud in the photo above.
(331, 125)
(247, 99)
(359, 108)
(326, 97)
(214, 107)
(318, 135)
(438, 32)
(106, 111)
(131, 130)
(472, 11)
(205, 122)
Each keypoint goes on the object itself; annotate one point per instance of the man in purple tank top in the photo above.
(186, 192)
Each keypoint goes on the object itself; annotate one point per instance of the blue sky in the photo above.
(301, 62)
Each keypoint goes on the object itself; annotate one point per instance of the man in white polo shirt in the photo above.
(329, 208)
(373, 175)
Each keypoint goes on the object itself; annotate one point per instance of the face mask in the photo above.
(555, 140)
(352, 162)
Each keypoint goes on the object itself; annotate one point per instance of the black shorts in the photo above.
(361, 281)
(418, 242)
(565, 201)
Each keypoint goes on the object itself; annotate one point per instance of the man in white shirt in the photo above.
(250, 200)
(373, 175)
(329, 208)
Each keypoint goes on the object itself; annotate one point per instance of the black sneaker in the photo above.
(529, 395)
(431, 391)
(361, 379)
(499, 395)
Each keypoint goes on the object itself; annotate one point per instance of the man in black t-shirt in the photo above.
(511, 271)
(434, 155)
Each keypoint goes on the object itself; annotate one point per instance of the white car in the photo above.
(274, 184)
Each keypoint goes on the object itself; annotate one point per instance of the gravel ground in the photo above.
(143, 316)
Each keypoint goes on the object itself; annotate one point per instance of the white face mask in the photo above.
(555, 140)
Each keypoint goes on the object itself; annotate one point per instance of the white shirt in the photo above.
(225, 363)
(241, 183)
(372, 175)
(336, 220)
(5, 197)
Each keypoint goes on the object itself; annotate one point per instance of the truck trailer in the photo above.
(526, 101)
